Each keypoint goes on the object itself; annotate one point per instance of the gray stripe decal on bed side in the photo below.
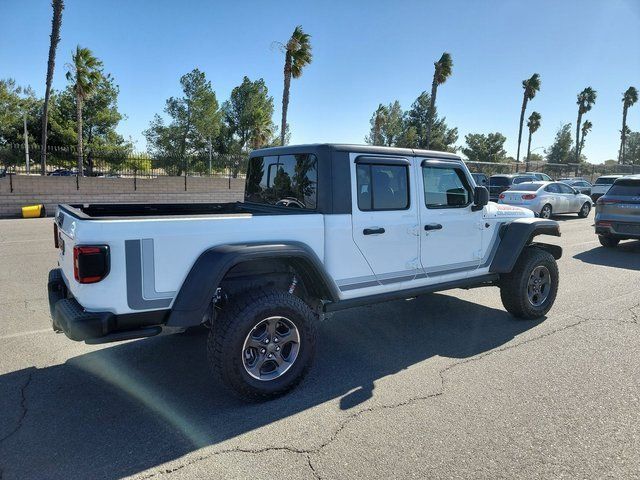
(149, 273)
(133, 261)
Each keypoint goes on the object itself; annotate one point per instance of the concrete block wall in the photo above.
(50, 191)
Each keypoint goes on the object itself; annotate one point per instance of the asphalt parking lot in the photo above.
(443, 386)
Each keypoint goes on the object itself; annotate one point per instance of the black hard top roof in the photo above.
(340, 147)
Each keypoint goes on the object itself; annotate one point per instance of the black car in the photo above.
(502, 183)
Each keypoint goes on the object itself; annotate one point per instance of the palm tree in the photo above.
(443, 70)
(628, 99)
(297, 56)
(586, 100)
(56, 22)
(530, 86)
(534, 124)
(85, 73)
(586, 128)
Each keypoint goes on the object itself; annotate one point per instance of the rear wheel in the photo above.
(530, 289)
(608, 241)
(584, 211)
(263, 343)
(546, 211)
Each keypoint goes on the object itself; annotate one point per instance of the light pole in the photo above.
(26, 142)
(528, 154)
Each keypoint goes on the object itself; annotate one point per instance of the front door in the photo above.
(450, 229)
(385, 216)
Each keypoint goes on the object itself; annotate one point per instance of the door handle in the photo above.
(373, 231)
(433, 226)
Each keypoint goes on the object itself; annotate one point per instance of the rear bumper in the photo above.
(70, 317)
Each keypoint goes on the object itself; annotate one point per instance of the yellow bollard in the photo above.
(33, 211)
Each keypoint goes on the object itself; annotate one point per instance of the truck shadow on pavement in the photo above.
(625, 255)
(129, 407)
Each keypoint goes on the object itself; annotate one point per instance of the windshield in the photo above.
(605, 180)
(499, 181)
(525, 187)
(625, 189)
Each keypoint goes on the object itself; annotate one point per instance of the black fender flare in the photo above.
(212, 265)
(517, 235)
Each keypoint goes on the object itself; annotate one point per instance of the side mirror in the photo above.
(480, 198)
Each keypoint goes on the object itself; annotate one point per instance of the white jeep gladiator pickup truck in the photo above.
(322, 228)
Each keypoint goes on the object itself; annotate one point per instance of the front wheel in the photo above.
(263, 343)
(607, 241)
(584, 211)
(530, 289)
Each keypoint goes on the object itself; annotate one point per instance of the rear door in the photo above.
(385, 216)
(450, 231)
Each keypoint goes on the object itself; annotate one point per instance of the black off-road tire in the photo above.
(513, 285)
(229, 331)
(608, 241)
(584, 210)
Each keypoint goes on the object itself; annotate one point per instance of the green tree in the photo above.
(632, 148)
(377, 120)
(531, 86)
(586, 128)
(15, 102)
(297, 55)
(442, 71)
(248, 113)
(629, 98)
(560, 150)
(195, 122)
(533, 124)
(56, 23)
(84, 73)
(586, 100)
(485, 148)
(442, 137)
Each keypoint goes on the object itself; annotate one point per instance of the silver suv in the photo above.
(618, 212)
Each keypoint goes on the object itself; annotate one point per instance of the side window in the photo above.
(552, 188)
(521, 180)
(445, 187)
(382, 187)
(286, 181)
(562, 188)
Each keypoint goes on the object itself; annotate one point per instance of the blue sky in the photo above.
(365, 53)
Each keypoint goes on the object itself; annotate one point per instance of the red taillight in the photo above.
(90, 263)
(607, 201)
(501, 196)
(528, 196)
(603, 224)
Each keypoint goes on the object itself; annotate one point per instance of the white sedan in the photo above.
(547, 198)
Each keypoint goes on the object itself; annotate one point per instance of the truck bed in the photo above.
(119, 211)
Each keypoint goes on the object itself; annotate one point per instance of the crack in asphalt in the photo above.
(308, 452)
(634, 314)
(23, 407)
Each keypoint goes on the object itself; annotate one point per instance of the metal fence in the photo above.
(587, 171)
(63, 161)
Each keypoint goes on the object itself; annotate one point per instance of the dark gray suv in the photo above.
(618, 212)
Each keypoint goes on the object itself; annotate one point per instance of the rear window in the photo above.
(285, 181)
(625, 189)
(605, 181)
(499, 181)
(526, 187)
